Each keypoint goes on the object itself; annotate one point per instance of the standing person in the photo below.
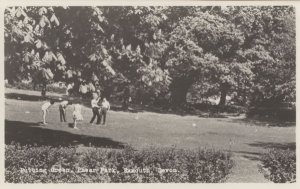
(104, 109)
(62, 110)
(45, 109)
(77, 116)
(95, 109)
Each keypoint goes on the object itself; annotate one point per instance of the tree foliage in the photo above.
(245, 52)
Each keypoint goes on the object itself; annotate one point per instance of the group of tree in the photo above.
(157, 52)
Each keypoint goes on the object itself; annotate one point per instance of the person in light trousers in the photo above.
(105, 107)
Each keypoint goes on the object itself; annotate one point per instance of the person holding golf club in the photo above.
(62, 110)
(45, 109)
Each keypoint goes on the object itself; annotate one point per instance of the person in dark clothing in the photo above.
(95, 109)
(62, 110)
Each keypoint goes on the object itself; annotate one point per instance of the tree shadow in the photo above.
(33, 134)
(262, 123)
(256, 156)
(274, 145)
(26, 97)
(19, 96)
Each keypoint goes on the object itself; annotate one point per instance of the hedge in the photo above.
(279, 166)
(45, 164)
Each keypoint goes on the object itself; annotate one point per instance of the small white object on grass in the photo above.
(27, 112)
(59, 98)
(194, 124)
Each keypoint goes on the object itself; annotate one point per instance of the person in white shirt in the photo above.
(77, 116)
(62, 110)
(45, 108)
(95, 109)
(105, 107)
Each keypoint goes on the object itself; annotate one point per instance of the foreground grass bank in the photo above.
(32, 164)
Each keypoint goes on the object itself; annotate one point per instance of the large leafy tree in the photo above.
(245, 46)
(270, 47)
(203, 47)
(29, 53)
(111, 45)
(137, 44)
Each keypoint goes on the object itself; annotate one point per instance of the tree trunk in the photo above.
(244, 102)
(224, 90)
(44, 85)
(10, 81)
(34, 85)
(179, 91)
(126, 96)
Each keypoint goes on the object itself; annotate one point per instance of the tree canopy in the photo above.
(159, 52)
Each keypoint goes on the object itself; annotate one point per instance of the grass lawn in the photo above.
(140, 130)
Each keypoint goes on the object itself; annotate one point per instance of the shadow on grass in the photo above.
(274, 145)
(262, 123)
(256, 156)
(26, 97)
(19, 96)
(31, 133)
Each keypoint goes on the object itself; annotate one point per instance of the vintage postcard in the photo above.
(146, 92)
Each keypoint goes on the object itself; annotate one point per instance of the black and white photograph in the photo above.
(149, 93)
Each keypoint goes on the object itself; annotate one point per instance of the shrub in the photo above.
(232, 109)
(279, 166)
(215, 109)
(148, 165)
(279, 111)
